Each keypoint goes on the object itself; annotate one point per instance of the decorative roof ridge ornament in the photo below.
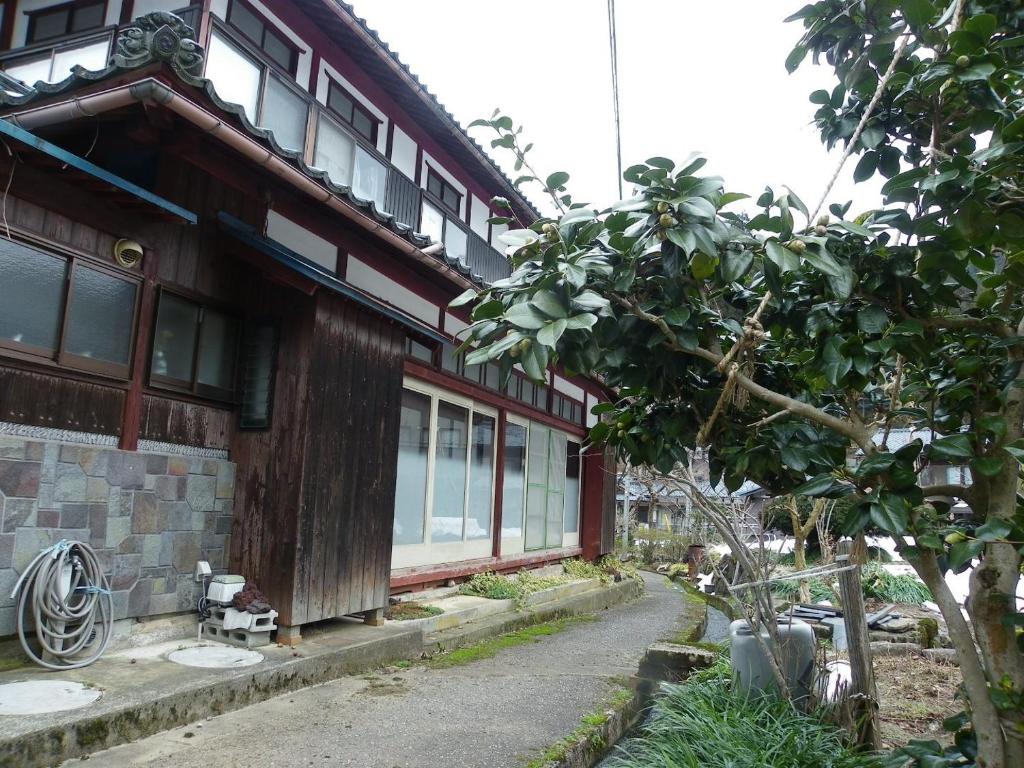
(160, 37)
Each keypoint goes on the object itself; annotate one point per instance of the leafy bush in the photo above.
(577, 568)
(704, 722)
(610, 564)
(892, 588)
(496, 586)
(790, 590)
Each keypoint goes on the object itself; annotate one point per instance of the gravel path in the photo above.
(495, 712)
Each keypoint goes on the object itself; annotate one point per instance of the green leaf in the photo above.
(735, 264)
(993, 530)
(677, 316)
(556, 180)
(963, 552)
(1016, 449)
(551, 333)
(796, 56)
(822, 261)
(918, 12)
(989, 466)
(683, 238)
(524, 316)
(816, 486)
(548, 303)
(464, 298)
(579, 322)
(661, 162)
(702, 265)
(890, 513)
(875, 464)
(488, 310)
(872, 320)
(781, 256)
(731, 197)
(866, 167)
(953, 447)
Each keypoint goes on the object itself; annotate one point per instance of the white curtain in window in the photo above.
(481, 470)
(370, 178)
(284, 112)
(413, 452)
(432, 223)
(449, 502)
(235, 76)
(455, 242)
(334, 150)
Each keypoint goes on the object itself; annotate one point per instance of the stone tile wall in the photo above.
(148, 516)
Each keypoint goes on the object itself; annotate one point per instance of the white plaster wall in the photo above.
(591, 418)
(307, 244)
(452, 325)
(328, 73)
(403, 152)
(568, 388)
(479, 213)
(366, 278)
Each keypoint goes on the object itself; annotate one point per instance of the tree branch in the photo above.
(861, 436)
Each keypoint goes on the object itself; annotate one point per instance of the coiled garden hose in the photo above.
(67, 600)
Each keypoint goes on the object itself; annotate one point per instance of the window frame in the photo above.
(357, 105)
(195, 387)
(48, 51)
(429, 552)
(293, 64)
(434, 175)
(59, 357)
(73, 7)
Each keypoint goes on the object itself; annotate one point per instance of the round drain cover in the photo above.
(215, 657)
(36, 697)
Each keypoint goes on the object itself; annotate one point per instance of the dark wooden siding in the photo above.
(44, 400)
(175, 421)
(344, 553)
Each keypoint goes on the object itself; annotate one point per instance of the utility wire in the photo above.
(613, 47)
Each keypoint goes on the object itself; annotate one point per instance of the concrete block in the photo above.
(170, 487)
(156, 464)
(69, 482)
(146, 514)
(19, 478)
(18, 513)
(200, 492)
(225, 480)
(97, 489)
(673, 662)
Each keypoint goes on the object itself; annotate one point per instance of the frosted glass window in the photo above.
(432, 223)
(218, 342)
(100, 316)
(30, 71)
(452, 441)
(455, 242)
(92, 56)
(31, 296)
(334, 150)
(556, 489)
(370, 178)
(538, 455)
(513, 481)
(284, 112)
(536, 499)
(413, 453)
(536, 489)
(572, 488)
(174, 341)
(481, 474)
(235, 76)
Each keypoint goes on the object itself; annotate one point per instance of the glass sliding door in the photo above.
(481, 478)
(449, 502)
(571, 519)
(556, 489)
(536, 487)
(513, 494)
(413, 456)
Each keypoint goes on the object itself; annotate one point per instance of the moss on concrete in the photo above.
(488, 648)
(589, 740)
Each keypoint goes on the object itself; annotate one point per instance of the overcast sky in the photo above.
(693, 76)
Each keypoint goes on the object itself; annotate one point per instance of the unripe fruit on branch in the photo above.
(797, 246)
(955, 538)
(821, 230)
(663, 207)
(548, 228)
(963, 61)
(666, 220)
(662, 235)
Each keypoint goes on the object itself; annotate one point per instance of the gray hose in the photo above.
(66, 623)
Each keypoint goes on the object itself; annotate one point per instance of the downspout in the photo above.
(152, 90)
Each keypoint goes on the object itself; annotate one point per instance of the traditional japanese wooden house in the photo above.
(228, 242)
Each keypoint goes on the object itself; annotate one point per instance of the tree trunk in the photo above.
(991, 744)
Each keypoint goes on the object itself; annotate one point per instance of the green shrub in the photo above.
(703, 722)
(493, 586)
(577, 568)
(790, 591)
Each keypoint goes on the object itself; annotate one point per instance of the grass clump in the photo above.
(588, 731)
(488, 648)
(584, 569)
(410, 610)
(877, 582)
(704, 722)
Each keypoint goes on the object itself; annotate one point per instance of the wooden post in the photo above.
(863, 692)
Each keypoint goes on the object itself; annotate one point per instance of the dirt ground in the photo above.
(916, 695)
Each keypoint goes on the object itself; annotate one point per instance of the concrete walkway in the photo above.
(500, 711)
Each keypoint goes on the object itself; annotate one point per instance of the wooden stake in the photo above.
(863, 692)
